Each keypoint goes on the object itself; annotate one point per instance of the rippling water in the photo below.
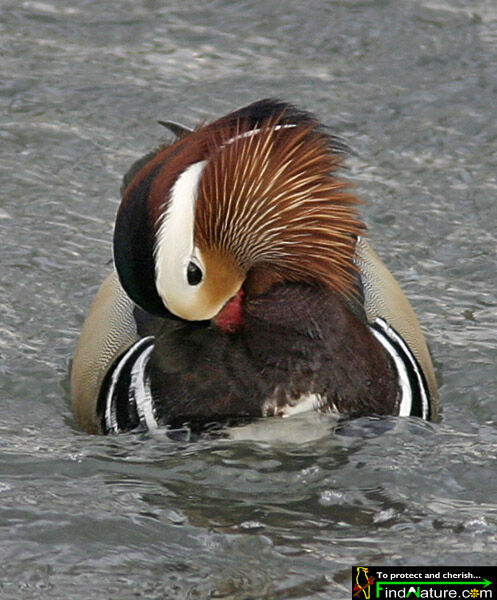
(412, 86)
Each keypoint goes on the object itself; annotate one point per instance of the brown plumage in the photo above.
(271, 199)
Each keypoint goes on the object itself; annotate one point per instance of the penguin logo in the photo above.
(363, 583)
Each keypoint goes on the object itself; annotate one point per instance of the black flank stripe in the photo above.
(409, 361)
(122, 398)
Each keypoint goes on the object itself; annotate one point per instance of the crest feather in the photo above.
(270, 197)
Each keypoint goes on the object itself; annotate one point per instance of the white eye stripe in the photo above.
(174, 245)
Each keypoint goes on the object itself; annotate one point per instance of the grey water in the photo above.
(412, 86)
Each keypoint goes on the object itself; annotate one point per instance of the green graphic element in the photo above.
(484, 582)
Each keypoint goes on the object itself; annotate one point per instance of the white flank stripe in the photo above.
(406, 399)
(110, 408)
(141, 388)
(390, 332)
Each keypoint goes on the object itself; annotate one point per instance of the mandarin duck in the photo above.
(243, 287)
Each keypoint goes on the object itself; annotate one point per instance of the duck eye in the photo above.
(193, 274)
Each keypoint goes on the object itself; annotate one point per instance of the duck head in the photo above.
(234, 207)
